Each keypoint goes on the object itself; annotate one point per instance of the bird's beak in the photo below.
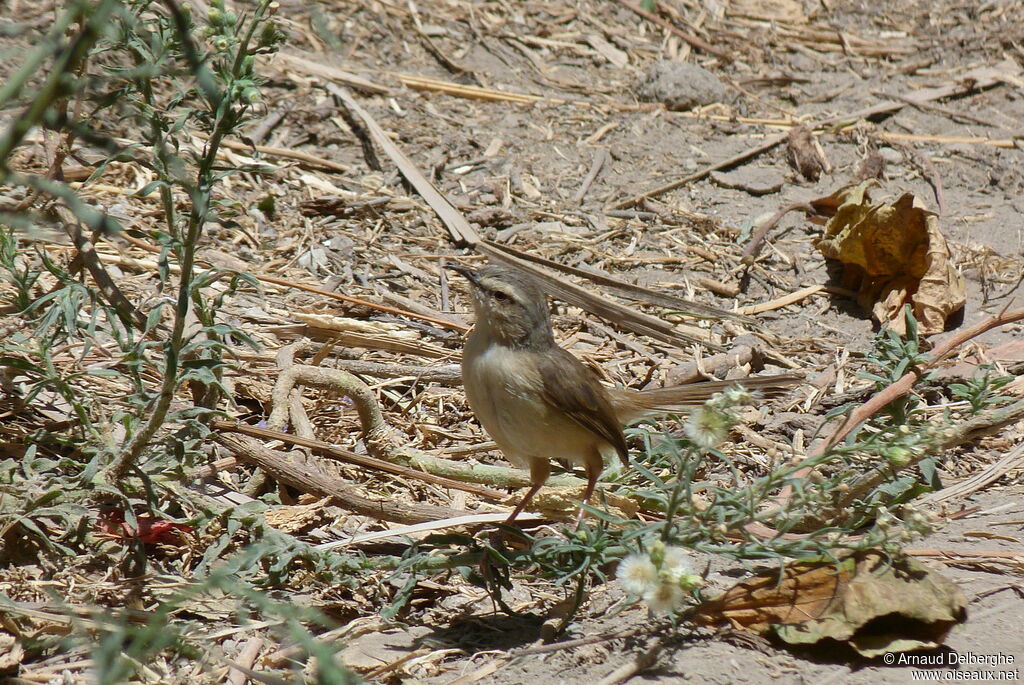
(470, 274)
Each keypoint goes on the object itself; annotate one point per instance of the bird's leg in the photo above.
(593, 464)
(540, 471)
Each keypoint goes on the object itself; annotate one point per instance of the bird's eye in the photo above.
(501, 296)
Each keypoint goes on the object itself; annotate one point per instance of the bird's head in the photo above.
(509, 306)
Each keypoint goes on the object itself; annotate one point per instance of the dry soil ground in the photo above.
(515, 170)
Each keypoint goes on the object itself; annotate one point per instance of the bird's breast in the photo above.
(505, 391)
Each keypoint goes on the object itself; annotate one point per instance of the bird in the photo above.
(537, 401)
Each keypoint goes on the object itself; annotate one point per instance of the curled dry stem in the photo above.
(379, 437)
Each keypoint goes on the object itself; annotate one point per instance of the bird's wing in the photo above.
(572, 388)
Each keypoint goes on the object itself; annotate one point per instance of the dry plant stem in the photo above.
(377, 433)
(630, 290)
(418, 307)
(245, 660)
(447, 62)
(448, 374)
(924, 106)
(300, 419)
(331, 73)
(1005, 143)
(1013, 460)
(768, 144)
(754, 244)
(784, 300)
(600, 157)
(717, 287)
(624, 317)
(214, 468)
(271, 122)
(63, 613)
(445, 374)
(579, 642)
(694, 372)
(379, 674)
(690, 39)
(963, 433)
(362, 135)
(487, 94)
(357, 459)
(640, 662)
(498, 476)
(284, 153)
(285, 283)
(355, 300)
(300, 422)
(457, 225)
(309, 480)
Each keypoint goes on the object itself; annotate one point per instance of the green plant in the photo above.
(981, 391)
(893, 355)
(733, 514)
(153, 69)
(219, 102)
(133, 63)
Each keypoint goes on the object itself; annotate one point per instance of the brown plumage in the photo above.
(537, 401)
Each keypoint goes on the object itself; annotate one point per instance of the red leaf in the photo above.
(151, 530)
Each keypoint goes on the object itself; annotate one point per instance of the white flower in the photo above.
(664, 598)
(707, 427)
(735, 396)
(678, 562)
(885, 519)
(919, 522)
(637, 574)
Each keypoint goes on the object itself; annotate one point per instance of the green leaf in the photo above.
(22, 365)
(150, 187)
(930, 472)
(103, 372)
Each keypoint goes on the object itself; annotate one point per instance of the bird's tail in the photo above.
(631, 405)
